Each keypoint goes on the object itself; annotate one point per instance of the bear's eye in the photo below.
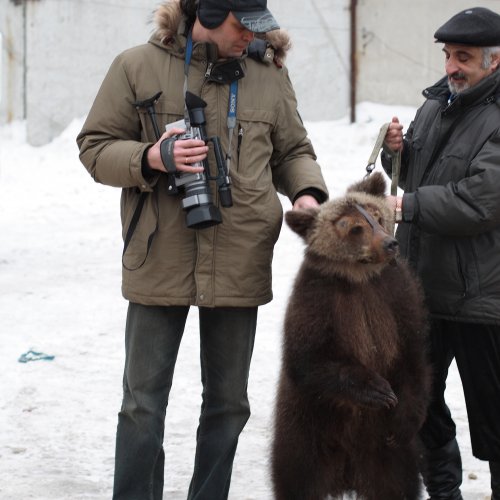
(355, 230)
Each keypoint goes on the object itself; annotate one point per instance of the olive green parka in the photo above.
(228, 264)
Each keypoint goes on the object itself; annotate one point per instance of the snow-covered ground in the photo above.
(60, 257)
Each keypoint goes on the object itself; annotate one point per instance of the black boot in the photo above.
(495, 480)
(442, 472)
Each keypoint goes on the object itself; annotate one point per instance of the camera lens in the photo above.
(203, 216)
(197, 202)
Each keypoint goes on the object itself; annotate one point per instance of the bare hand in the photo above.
(393, 202)
(305, 201)
(186, 152)
(394, 135)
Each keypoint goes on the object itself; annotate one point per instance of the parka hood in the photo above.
(168, 17)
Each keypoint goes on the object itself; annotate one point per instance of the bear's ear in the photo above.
(301, 221)
(374, 184)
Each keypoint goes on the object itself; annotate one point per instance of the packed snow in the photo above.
(60, 272)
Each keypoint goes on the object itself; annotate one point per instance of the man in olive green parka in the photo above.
(224, 269)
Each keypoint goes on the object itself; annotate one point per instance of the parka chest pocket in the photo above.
(254, 145)
(453, 164)
(164, 111)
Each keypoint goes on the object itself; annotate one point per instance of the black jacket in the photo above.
(450, 172)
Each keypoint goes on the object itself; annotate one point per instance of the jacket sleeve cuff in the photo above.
(149, 175)
(317, 194)
(409, 207)
(147, 172)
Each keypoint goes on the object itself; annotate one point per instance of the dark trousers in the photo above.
(476, 349)
(152, 340)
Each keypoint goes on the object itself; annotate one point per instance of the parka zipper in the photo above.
(209, 69)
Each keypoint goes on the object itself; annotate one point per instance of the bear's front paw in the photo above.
(378, 393)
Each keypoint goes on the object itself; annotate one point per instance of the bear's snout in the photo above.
(391, 246)
(382, 249)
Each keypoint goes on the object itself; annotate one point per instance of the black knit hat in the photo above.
(253, 14)
(477, 26)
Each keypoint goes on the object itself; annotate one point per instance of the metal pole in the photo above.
(353, 77)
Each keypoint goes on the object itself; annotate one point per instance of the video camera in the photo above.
(197, 202)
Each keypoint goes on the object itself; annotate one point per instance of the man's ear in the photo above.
(495, 61)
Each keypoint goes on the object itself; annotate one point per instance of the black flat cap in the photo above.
(476, 26)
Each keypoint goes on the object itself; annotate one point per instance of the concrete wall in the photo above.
(66, 46)
(54, 53)
(397, 57)
(11, 61)
(319, 60)
(69, 45)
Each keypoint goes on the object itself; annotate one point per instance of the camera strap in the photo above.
(231, 119)
(233, 98)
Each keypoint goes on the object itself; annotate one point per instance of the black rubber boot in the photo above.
(495, 480)
(443, 472)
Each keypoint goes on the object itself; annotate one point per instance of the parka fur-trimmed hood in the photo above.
(168, 17)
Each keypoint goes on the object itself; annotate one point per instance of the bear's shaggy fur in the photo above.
(354, 380)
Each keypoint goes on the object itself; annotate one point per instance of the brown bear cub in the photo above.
(354, 380)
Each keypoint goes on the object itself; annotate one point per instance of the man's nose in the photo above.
(451, 67)
(248, 36)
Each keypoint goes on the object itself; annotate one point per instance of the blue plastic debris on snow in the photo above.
(34, 356)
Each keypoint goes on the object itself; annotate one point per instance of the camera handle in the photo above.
(149, 106)
(222, 179)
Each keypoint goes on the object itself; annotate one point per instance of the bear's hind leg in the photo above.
(297, 471)
(297, 480)
(393, 475)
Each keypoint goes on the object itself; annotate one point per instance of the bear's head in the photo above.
(349, 237)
